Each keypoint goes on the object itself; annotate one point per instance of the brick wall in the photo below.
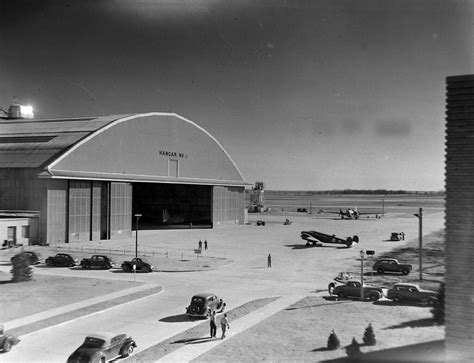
(460, 218)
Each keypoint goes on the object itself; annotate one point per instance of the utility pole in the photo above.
(137, 216)
(362, 275)
(420, 241)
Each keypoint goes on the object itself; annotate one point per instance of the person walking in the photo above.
(213, 324)
(200, 245)
(269, 260)
(224, 325)
(205, 244)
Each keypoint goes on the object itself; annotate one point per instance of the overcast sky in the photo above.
(302, 94)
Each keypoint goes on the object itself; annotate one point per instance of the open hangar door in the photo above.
(172, 205)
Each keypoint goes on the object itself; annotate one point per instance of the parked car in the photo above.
(7, 341)
(352, 289)
(203, 304)
(391, 265)
(33, 257)
(395, 236)
(139, 263)
(340, 279)
(98, 261)
(61, 259)
(411, 293)
(102, 347)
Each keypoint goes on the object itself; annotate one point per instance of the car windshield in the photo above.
(91, 342)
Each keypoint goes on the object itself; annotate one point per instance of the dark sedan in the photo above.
(61, 259)
(102, 347)
(97, 261)
(203, 304)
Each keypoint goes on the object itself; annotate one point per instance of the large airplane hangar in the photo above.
(89, 178)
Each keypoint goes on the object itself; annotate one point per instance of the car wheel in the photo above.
(331, 289)
(128, 351)
(126, 268)
(102, 360)
(373, 297)
(194, 309)
(146, 269)
(105, 266)
(7, 346)
(307, 244)
(405, 272)
(85, 265)
(341, 295)
(48, 263)
(397, 299)
(380, 270)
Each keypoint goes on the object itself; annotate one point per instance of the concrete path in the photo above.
(192, 351)
(9, 325)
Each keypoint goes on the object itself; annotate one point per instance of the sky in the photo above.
(303, 95)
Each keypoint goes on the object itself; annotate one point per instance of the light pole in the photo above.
(420, 240)
(362, 274)
(137, 216)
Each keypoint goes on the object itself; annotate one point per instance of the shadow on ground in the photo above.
(420, 323)
(194, 340)
(393, 303)
(418, 353)
(175, 318)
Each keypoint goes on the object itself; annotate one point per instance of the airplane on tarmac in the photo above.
(349, 213)
(316, 238)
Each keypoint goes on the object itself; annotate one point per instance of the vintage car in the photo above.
(397, 236)
(340, 279)
(352, 289)
(7, 341)
(202, 305)
(140, 264)
(391, 265)
(33, 257)
(102, 347)
(61, 259)
(97, 261)
(411, 293)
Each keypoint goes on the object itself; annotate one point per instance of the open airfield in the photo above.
(283, 313)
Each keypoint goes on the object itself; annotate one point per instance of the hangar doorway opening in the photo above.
(172, 206)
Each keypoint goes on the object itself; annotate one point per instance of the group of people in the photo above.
(200, 244)
(213, 324)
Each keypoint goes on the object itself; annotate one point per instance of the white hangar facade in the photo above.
(88, 177)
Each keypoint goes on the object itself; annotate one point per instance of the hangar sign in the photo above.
(173, 154)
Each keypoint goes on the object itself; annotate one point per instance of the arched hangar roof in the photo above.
(148, 147)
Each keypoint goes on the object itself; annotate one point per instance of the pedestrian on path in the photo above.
(269, 260)
(224, 325)
(200, 245)
(205, 244)
(213, 324)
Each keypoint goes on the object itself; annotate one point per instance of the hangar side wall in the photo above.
(228, 205)
(20, 189)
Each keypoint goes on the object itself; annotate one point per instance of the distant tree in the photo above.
(438, 308)
(21, 268)
(353, 349)
(333, 341)
(369, 336)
